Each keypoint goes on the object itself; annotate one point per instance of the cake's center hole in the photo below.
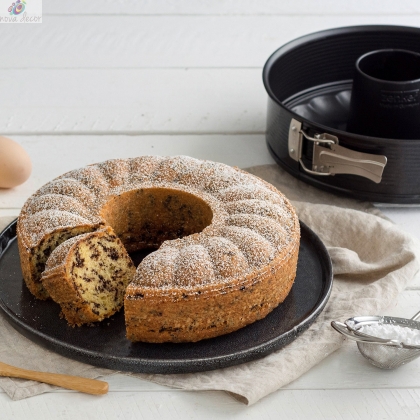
(143, 219)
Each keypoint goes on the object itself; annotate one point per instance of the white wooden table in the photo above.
(103, 79)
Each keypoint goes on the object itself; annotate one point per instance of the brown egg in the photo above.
(15, 164)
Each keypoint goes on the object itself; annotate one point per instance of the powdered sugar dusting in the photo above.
(180, 170)
(115, 172)
(141, 168)
(92, 177)
(257, 250)
(404, 335)
(277, 235)
(68, 187)
(156, 270)
(193, 267)
(48, 221)
(57, 202)
(261, 208)
(249, 191)
(227, 259)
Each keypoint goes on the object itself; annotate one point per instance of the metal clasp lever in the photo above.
(329, 158)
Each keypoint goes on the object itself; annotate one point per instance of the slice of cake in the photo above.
(87, 275)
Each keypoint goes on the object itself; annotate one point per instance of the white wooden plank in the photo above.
(9, 212)
(405, 217)
(392, 404)
(228, 7)
(53, 156)
(415, 284)
(132, 101)
(131, 41)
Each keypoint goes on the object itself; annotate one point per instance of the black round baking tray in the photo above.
(105, 344)
(310, 80)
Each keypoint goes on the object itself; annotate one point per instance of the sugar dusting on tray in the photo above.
(404, 335)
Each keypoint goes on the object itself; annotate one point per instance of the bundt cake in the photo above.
(227, 243)
(87, 275)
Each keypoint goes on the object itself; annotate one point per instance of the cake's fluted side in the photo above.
(193, 314)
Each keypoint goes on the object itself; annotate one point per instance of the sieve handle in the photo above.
(416, 316)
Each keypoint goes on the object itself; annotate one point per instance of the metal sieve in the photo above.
(381, 352)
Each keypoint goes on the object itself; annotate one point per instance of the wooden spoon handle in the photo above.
(89, 386)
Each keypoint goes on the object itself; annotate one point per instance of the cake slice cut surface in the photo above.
(87, 275)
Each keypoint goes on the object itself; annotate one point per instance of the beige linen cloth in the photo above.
(373, 260)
